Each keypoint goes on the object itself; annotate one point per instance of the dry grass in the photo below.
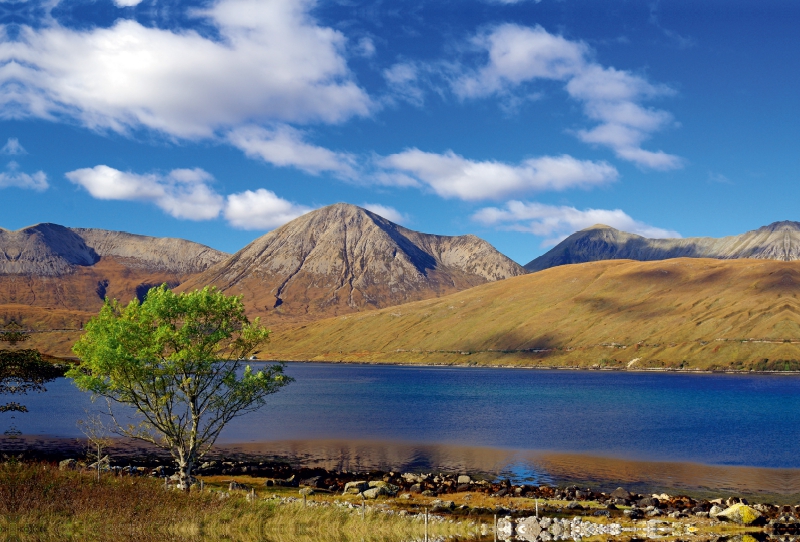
(37, 501)
(682, 313)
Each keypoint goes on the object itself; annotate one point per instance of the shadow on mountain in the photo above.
(421, 260)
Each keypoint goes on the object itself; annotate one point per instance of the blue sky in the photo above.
(518, 121)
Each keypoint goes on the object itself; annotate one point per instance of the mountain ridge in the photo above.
(778, 241)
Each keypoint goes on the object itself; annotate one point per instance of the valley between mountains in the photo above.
(344, 284)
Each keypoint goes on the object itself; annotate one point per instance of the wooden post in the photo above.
(537, 508)
(495, 528)
(165, 481)
(426, 524)
(202, 485)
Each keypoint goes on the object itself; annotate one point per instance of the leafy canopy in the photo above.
(176, 358)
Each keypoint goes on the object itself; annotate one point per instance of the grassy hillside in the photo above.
(682, 313)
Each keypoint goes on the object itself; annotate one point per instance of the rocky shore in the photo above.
(544, 510)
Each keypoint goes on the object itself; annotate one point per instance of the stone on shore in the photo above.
(741, 514)
(356, 487)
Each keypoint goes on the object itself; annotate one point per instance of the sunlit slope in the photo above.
(684, 312)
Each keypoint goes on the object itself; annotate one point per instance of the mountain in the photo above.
(678, 313)
(57, 277)
(778, 241)
(342, 259)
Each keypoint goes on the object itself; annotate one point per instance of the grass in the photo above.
(701, 314)
(39, 501)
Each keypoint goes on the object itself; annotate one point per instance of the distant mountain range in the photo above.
(777, 241)
(342, 259)
(335, 260)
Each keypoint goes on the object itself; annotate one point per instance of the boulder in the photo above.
(621, 493)
(356, 487)
(315, 482)
(374, 493)
(416, 488)
(648, 501)
(390, 489)
(742, 514)
(67, 464)
(464, 479)
(715, 511)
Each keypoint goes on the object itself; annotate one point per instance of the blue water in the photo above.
(712, 419)
(716, 419)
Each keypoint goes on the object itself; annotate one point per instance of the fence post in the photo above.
(495, 528)
(537, 508)
(426, 524)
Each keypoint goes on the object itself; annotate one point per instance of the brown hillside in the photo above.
(701, 313)
(342, 259)
(53, 277)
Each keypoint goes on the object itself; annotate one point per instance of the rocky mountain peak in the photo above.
(343, 258)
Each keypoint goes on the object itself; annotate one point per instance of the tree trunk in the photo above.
(185, 473)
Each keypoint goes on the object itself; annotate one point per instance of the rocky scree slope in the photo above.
(53, 276)
(342, 259)
(777, 241)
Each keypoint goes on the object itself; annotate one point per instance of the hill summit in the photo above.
(342, 258)
(777, 241)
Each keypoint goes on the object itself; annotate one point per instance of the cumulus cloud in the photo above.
(555, 223)
(452, 176)
(182, 193)
(260, 210)
(611, 97)
(389, 213)
(271, 63)
(13, 146)
(284, 146)
(127, 3)
(15, 178)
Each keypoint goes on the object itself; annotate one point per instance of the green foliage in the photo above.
(22, 370)
(176, 358)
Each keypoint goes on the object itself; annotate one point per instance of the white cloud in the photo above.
(272, 63)
(555, 223)
(453, 176)
(127, 3)
(284, 146)
(611, 97)
(403, 82)
(13, 146)
(389, 213)
(260, 210)
(36, 181)
(365, 47)
(182, 193)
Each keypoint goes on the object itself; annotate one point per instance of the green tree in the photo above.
(177, 360)
(22, 370)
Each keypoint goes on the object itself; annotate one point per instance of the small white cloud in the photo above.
(403, 82)
(127, 3)
(555, 223)
(718, 178)
(284, 146)
(36, 181)
(13, 147)
(365, 47)
(389, 213)
(183, 193)
(453, 176)
(260, 210)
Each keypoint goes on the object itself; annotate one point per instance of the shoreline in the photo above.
(521, 467)
(534, 367)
